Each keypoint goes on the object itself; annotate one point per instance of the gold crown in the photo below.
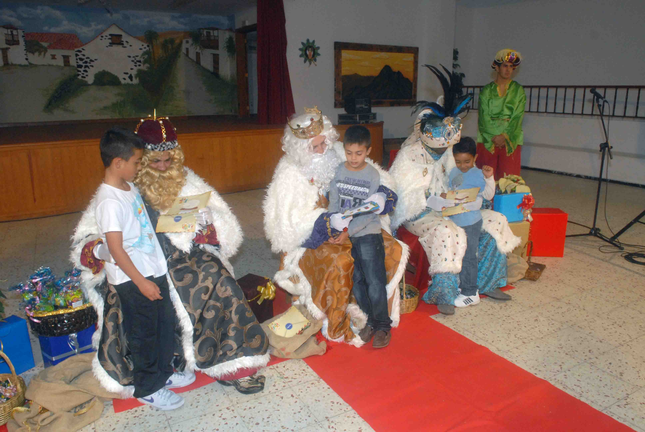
(315, 126)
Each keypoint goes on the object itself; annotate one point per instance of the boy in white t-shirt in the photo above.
(137, 270)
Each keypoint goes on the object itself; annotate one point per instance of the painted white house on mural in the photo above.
(211, 52)
(113, 50)
(59, 48)
(12, 46)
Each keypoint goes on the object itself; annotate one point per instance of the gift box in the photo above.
(548, 232)
(55, 349)
(259, 295)
(16, 345)
(521, 229)
(507, 204)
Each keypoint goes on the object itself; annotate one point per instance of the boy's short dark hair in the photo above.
(358, 135)
(466, 145)
(119, 143)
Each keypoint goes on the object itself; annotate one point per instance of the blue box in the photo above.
(16, 345)
(58, 348)
(507, 205)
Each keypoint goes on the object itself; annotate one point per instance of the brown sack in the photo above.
(298, 346)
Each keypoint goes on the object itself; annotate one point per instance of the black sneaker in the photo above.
(247, 385)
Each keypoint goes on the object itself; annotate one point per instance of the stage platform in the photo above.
(53, 169)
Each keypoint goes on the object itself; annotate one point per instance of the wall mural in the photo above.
(79, 63)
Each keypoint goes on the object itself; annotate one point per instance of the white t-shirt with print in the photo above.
(119, 210)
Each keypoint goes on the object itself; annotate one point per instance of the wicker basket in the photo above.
(19, 399)
(64, 321)
(408, 304)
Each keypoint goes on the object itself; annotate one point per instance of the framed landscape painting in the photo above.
(384, 73)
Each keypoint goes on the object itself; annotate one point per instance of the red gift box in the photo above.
(548, 232)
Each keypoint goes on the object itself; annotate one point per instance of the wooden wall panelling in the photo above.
(16, 183)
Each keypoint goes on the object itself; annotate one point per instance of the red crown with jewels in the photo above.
(158, 133)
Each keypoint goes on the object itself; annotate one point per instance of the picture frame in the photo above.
(386, 74)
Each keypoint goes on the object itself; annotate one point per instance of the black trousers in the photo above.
(149, 330)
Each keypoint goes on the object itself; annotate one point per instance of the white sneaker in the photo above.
(163, 399)
(180, 379)
(464, 301)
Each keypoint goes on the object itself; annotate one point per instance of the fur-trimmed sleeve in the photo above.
(228, 228)
(289, 208)
(408, 188)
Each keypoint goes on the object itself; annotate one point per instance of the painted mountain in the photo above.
(388, 84)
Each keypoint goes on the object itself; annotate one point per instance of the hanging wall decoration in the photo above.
(309, 52)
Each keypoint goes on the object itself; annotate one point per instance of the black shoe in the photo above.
(446, 309)
(247, 385)
(367, 333)
(498, 294)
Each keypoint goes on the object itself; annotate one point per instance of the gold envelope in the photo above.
(290, 324)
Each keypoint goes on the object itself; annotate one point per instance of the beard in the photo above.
(160, 188)
(321, 168)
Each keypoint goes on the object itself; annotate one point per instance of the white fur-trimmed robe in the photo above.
(289, 216)
(229, 234)
(414, 171)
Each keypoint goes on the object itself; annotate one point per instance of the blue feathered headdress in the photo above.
(454, 101)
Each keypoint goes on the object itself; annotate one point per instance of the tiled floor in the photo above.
(581, 326)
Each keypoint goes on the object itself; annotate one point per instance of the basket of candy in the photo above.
(409, 297)
(56, 307)
(12, 391)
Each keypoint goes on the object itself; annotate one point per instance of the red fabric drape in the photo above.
(275, 100)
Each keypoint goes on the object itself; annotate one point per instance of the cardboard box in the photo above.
(521, 229)
(58, 348)
(548, 232)
(507, 205)
(16, 345)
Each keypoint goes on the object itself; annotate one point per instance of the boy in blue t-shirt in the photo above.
(467, 176)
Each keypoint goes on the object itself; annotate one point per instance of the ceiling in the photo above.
(199, 7)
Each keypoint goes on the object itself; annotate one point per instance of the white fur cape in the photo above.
(229, 234)
(289, 216)
(414, 171)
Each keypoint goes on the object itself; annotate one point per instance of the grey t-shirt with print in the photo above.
(348, 190)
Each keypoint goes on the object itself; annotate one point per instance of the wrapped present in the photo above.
(548, 232)
(510, 205)
(55, 349)
(14, 337)
(521, 229)
(259, 292)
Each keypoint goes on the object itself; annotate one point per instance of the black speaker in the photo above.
(358, 105)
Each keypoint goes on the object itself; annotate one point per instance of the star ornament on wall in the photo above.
(309, 52)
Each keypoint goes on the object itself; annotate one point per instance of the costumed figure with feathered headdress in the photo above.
(420, 172)
(501, 111)
(216, 331)
(297, 224)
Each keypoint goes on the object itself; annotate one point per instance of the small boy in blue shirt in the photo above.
(467, 176)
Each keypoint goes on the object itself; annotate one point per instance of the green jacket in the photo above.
(501, 115)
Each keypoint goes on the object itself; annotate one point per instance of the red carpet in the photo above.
(431, 378)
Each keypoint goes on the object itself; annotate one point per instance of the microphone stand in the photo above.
(605, 149)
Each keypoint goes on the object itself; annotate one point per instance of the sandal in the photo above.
(247, 385)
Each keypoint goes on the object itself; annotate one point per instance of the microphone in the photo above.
(594, 92)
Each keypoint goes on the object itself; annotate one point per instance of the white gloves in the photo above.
(379, 198)
(102, 252)
(474, 205)
(436, 203)
(204, 217)
(338, 223)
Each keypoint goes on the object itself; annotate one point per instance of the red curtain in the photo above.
(275, 100)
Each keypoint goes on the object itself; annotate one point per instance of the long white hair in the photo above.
(318, 167)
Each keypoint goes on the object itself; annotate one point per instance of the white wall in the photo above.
(577, 42)
(427, 24)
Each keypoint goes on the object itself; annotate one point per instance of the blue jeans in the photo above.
(469, 265)
(370, 280)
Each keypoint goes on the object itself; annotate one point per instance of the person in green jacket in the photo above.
(501, 110)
